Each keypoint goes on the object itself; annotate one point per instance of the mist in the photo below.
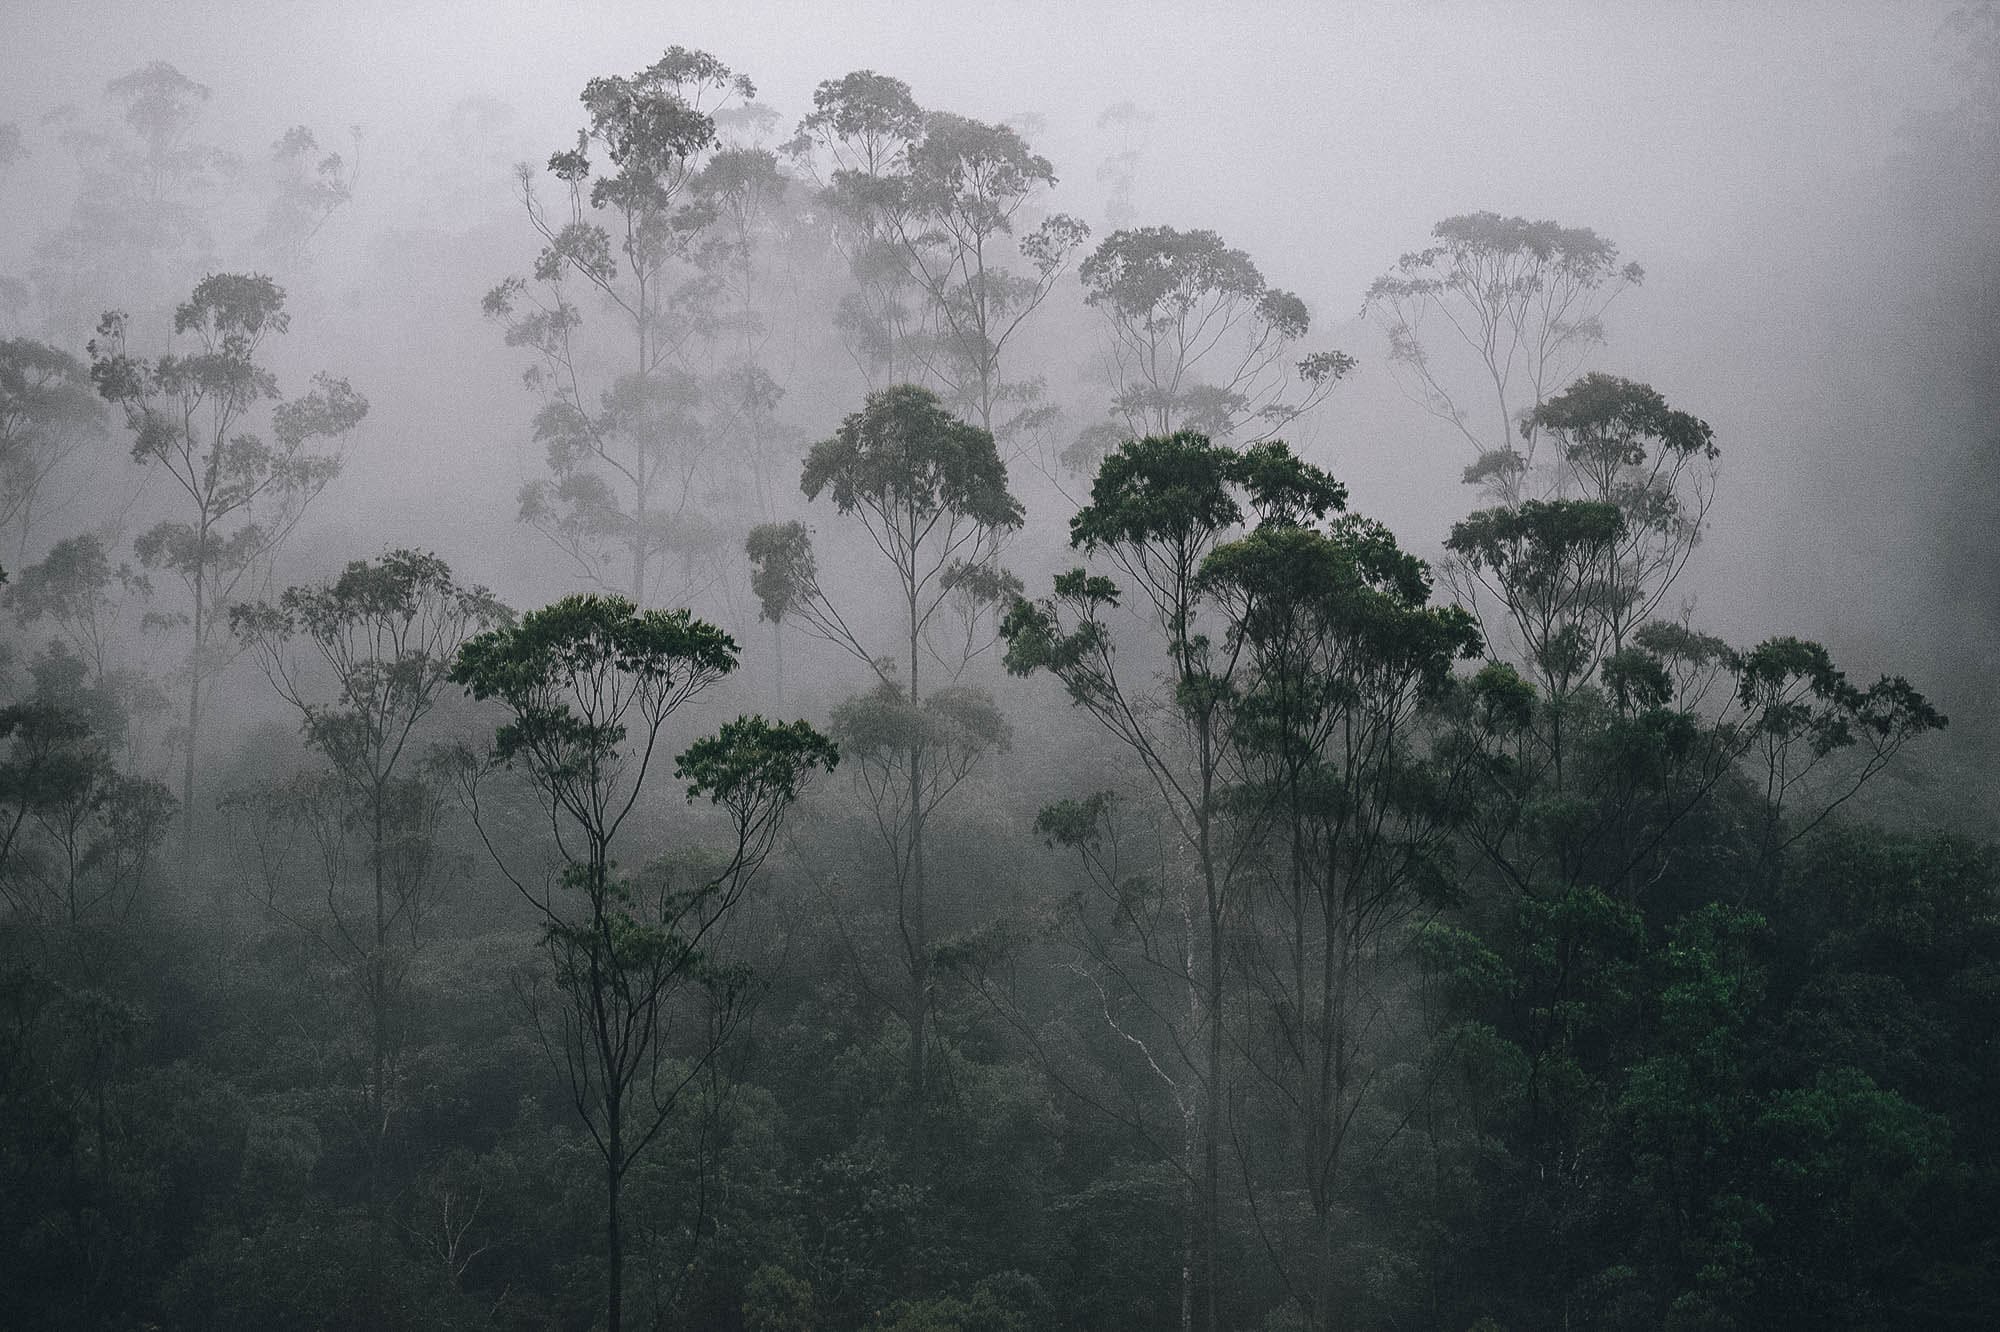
(1102, 666)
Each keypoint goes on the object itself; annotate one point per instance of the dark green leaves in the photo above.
(782, 568)
(587, 635)
(904, 453)
(751, 760)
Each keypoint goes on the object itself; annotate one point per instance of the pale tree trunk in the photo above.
(917, 921)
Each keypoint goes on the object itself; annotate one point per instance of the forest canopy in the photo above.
(811, 716)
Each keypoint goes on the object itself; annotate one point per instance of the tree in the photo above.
(1120, 170)
(1346, 659)
(622, 457)
(382, 637)
(966, 183)
(240, 496)
(48, 411)
(745, 193)
(1575, 573)
(77, 835)
(307, 187)
(856, 143)
(1525, 299)
(931, 492)
(1158, 508)
(1197, 340)
(86, 601)
(1132, 939)
(588, 683)
(926, 205)
(784, 577)
(137, 232)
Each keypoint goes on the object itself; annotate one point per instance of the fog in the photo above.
(938, 1079)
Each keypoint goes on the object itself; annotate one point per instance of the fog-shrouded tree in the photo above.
(747, 197)
(138, 230)
(1158, 509)
(1198, 340)
(75, 591)
(363, 659)
(1490, 319)
(931, 492)
(48, 411)
(931, 211)
(784, 576)
(1120, 169)
(855, 145)
(306, 185)
(238, 493)
(965, 187)
(77, 831)
(622, 411)
(70, 589)
(1346, 657)
(587, 685)
(1564, 580)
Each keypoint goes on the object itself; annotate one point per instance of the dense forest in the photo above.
(787, 719)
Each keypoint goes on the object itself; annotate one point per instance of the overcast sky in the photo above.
(1720, 144)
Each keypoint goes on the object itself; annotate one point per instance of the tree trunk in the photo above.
(188, 757)
(916, 919)
(778, 661)
(1212, 1111)
(614, 1240)
(378, 1070)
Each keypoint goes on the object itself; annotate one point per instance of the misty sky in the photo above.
(1722, 145)
(1332, 134)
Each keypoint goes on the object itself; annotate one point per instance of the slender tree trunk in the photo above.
(378, 1070)
(1190, 1145)
(918, 921)
(614, 1239)
(612, 1077)
(1212, 1133)
(193, 735)
(778, 661)
(1212, 1107)
(639, 546)
(920, 958)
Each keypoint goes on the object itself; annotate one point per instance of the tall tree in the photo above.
(931, 492)
(77, 591)
(364, 661)
(927, 206)
(1198, 340)
(1345, 658)
(77, 834)
(1158, 508)
(307, 185)
(588, 684)
(1524, 299)
(746, 196)
(1565, 580)
(855, 144)
(966, 185)
(48, 411)
(138, 230)
(623, 449)
(192, 416)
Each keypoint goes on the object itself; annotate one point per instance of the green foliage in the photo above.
(904, 455)
(1173, 489)
(1605, 423)
(1199, 340)
(782, 569)
(574, 672)
(751, 762)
